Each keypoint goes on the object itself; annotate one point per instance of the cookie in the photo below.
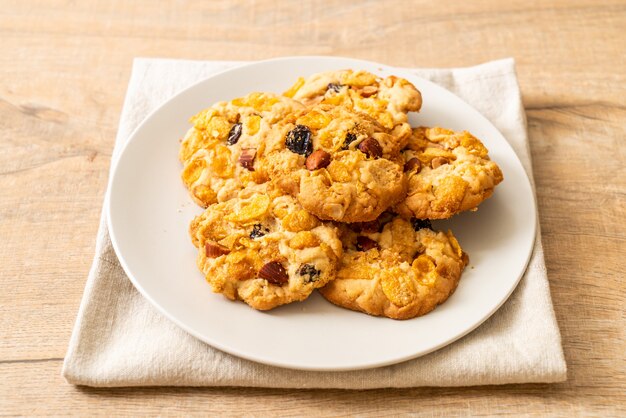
(448, 172)
(220, 152)
(263, 248)
(341, 165)
(387, 100)
(398, 269)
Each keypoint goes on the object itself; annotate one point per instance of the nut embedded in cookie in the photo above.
(220, 153)
(387, 100)
(401, 272)
(263, 248)
(448, 172)
(340, 164)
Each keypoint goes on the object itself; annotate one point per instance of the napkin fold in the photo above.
(119, 339)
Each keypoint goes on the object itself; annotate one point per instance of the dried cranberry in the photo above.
(234, 134)
(246, 159)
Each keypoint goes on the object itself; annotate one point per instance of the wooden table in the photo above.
(64, 70)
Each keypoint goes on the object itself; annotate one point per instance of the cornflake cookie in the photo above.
(340, 164)
(387, 100)
(264, 249)
(220, 152)
(399, 269)
(448, 172)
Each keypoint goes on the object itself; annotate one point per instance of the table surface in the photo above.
(65, 68)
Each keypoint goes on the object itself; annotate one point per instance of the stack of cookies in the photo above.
(328, 187)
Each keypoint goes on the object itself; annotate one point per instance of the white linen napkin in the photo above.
(119, 339)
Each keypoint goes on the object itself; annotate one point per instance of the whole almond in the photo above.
(246, 159)
(214, 251)
(371, 148)
(413, 164)
(438, 162)
(274, 272)
(318, 159)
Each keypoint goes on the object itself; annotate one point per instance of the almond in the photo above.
(246, 159)
(368, 91)
(274, 272)
(365, 243)
(413, 164)
(214, 251)
(371, 148)
(438, 162)
(318, 159)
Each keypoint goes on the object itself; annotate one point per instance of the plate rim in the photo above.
(117, 158)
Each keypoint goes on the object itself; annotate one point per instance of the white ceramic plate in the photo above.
(149, 211)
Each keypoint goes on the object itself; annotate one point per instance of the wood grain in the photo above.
(64, 69)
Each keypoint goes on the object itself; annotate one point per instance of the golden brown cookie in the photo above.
(340, 164)
(398, 269)
(220, 153)
(387, 100)
(448, 172)
(263, 248)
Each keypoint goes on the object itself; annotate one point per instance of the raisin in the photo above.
(299, 140)
(258, 231)
(309, 273)
(350, 138)
(234, 134)
(365, 243)
(421, 224)
(334, 87)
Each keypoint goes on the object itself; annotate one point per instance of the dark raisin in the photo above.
(299, 140)
(334, 87)
(309, 273)
(365, 243)
(234, 134)
(350, 138)
(421, 224)
(258, 231)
